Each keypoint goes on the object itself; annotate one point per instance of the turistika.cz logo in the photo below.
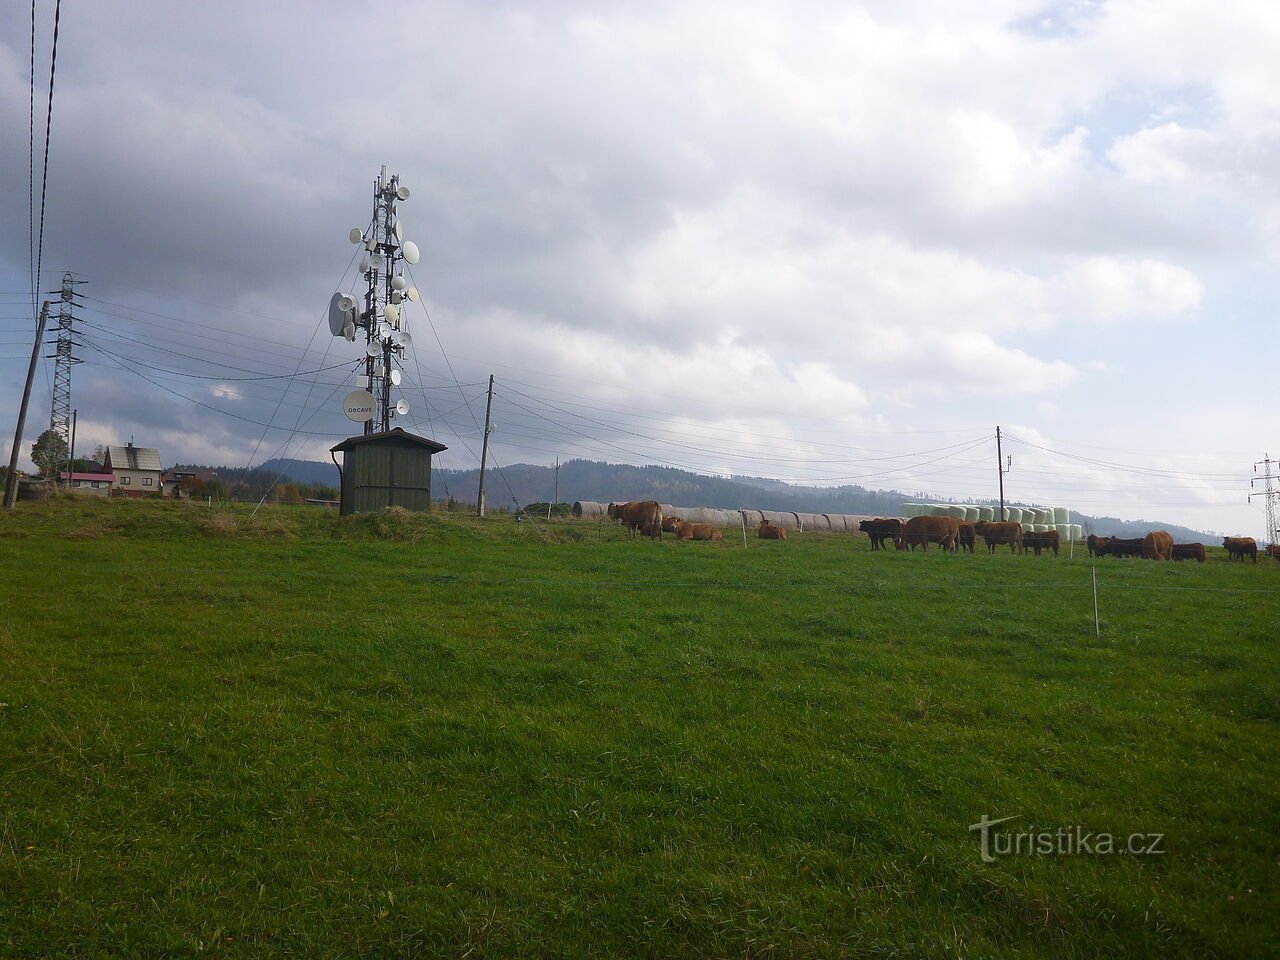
(1069, 841)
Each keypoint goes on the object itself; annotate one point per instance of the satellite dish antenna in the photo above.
(373, 348)
(392, 313)
(359, 406)
(337, 314)
(384, 330)
(346, 302)
(355, 235)
(349, 331)
(399, 230)
(410, 252)
(396, 378)
(376, 261)
(364, 264)
(398, 282)
(412, 294)
(405, 339)
(402, 192)
(402, 407)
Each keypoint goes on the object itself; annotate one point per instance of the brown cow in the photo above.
(1157, 545)
(1092, 542)
(697, 531)
(668, 524)
(1241, 547)
(1188, 551)
(880, 530)
(967, 537)
(1040, 540)
(635, 514)
(1007, 531)
(769, 532)
(651, 530)
(943, 531)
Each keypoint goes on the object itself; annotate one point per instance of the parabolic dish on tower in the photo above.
(337, 315)
(355, 235)
(395, 378)
(410, 250)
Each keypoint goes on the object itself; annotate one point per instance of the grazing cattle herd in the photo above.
(952, 535)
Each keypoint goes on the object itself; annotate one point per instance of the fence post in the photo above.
(1097, 627)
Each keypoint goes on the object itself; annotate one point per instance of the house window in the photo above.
(125, 481)
(146, 481)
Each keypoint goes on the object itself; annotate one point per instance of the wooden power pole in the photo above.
(484, 447)
(11, 481)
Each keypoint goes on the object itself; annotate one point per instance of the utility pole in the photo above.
(1000, 470)
(484, 447)
(1269, 495)
(11, 481)
(555, 499)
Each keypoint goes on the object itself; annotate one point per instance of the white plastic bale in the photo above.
(986, 514)
(1077, 532)
(1014, 514)
(1061, 515)
(590, 510)
(835, 522)
(972, 514)
(1064, 531)
(751, 518)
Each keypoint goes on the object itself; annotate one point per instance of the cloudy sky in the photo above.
(819, 242)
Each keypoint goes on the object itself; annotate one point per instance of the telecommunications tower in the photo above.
(1269, 495)
(64, 359)
(380, 316)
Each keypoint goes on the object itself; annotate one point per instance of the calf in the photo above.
(768, 531)
(994, 534)
(1129, 547)
(1037, 541)
(1240, 547)
(1189, 551)
(880, 530)
(967, 537)
(697, 531)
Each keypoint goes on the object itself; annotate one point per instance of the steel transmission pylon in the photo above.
(1269, 495)
(64, 359)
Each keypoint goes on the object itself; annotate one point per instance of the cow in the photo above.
(697, 531)
(1157, 545)
(1129, 547)
(635, 514)
(651, 530)
(769, 532)
(994, 534)
(1040, 540)
(880, 530)
(943, 531)
(967, 537)
(1240, 547)
(668, 524)
(1092, 542)
(1189, 551)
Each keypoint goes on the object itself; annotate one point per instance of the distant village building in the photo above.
(136, 470)
(88, 482)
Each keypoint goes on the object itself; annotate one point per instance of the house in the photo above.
(99, 483)
(137, 470)
(187, 481)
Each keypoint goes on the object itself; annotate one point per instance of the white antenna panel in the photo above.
(355, 235)
(412, 294)
(410, 252)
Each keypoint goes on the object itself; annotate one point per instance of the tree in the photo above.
(100, 454)
(49, 452)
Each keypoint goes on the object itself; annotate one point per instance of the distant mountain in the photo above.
(605, 482)
(304, 471)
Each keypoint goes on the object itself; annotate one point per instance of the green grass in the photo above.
(434, 736)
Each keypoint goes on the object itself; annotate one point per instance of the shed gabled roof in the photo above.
(133, 458)
(395, 433)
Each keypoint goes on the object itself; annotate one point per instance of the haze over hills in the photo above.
(604, 482)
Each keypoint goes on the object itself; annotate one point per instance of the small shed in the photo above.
(387, 469)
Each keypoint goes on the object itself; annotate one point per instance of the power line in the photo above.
(48, 125)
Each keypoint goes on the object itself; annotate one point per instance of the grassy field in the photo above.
(434, 736)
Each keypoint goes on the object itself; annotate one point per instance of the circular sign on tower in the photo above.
(359, 406)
